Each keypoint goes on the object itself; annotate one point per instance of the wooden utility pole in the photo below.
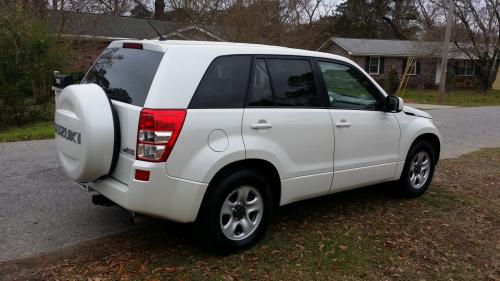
(444, 58)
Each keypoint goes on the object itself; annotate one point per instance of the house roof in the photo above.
(116, 27)
(394, 48)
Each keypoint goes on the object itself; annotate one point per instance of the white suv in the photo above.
(222, 133)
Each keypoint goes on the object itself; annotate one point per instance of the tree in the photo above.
(35, 8)
(110, 7)
(428, 19)
(159, 9)
(140, 11)
(28, 55)
(376, 19)
(401, 18)
(480, 39)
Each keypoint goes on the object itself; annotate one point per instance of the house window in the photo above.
(374, 65)
(413, 69)
(465, 68)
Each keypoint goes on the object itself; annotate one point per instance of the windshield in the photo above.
(125, 74)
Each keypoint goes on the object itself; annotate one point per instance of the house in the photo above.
(89, 34)
(378, 57)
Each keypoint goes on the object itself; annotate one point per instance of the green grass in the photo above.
(37, 131)
(458, 97)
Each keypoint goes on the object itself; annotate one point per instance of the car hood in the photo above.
(416, 112)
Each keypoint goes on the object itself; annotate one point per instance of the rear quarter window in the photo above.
(224, 84)
(125, 74)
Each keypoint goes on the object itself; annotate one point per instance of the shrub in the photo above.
(391, 83)
(77, 76)
(451, 79)
(28, 56)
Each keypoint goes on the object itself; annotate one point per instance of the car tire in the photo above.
(418, 170)
(235, 213)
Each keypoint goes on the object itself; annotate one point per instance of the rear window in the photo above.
(125, 74)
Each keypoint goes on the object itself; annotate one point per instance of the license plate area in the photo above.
(84, 185)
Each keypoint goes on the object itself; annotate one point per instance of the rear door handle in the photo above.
(343, 124)
(261, 125)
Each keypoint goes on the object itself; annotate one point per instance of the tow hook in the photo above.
(101, 200)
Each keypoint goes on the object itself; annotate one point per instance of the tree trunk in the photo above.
(159, 9)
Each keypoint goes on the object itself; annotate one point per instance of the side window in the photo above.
(261, 95)
(293, 82)
(347, 89)
(224, 85)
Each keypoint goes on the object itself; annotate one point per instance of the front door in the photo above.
(284, 124)
(366, 137)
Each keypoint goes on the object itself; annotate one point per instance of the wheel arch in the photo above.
(266, 168)
(428, 133)
(434, 141)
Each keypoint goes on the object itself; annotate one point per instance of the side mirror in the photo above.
(61, 81)
(394, 104)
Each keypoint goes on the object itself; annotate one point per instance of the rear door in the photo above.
(366, 137)
(125, 74)
(285, 124)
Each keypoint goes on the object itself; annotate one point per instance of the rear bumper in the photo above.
(162, 196)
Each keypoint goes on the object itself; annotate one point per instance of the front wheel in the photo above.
(236, 212)
(418, 170)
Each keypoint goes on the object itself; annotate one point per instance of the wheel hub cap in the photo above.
(241, 213)
(419, 170)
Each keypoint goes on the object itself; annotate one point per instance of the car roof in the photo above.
(228, 48)
(192, 58)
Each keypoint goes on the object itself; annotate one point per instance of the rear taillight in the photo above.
(158, 132)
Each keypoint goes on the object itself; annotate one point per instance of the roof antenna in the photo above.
(160, 37)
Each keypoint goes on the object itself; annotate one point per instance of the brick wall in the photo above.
(425, 78)
(84, 53)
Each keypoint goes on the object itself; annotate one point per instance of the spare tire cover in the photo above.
(85, 133)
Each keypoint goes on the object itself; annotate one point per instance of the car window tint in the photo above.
(224, 84)
(262, 94)
(293, 82)
(125, 74)
(347, 89)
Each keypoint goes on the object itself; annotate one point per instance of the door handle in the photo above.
(261, 125)
(343, 124)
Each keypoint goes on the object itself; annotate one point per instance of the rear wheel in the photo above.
(236, 212)
(419, 169)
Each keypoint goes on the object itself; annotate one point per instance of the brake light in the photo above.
(132, 46)
(158, 132)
